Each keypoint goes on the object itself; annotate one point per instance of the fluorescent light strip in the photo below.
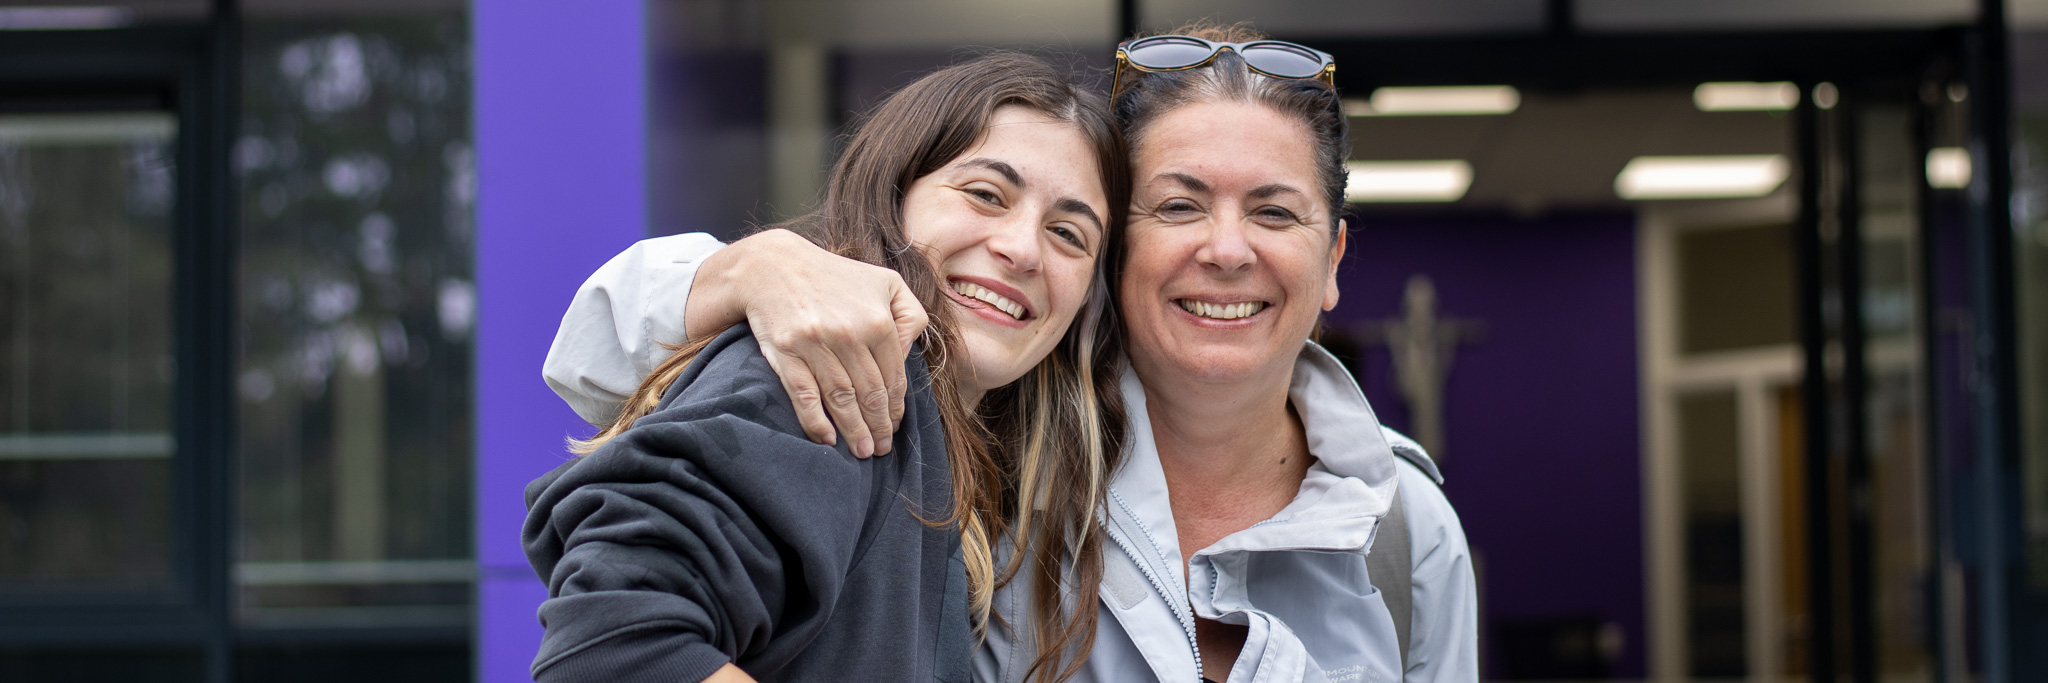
(1746, 96)
(1702, 177)
(1948, 168)
(1460, 100)
(63, 18)
(1407, 181)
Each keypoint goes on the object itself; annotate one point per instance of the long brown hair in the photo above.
(1033, 458)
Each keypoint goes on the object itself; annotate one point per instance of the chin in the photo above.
(995, 364)
(1219, 363)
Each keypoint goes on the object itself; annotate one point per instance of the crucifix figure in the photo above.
(1423, 346)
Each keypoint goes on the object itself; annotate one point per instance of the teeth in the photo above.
(1222, 311)
(998, 301)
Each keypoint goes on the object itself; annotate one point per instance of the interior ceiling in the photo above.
(1565, 150)
(942, 23)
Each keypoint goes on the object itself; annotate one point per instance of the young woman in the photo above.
(704, 537)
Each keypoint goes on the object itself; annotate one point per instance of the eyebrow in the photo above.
(1009, 172)
(1190, 182)
(1072, 205)
(1266, 191)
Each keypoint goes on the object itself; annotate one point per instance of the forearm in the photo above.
(617, 326)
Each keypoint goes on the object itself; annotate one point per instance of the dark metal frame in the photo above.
(192, 71)
(2009, 615)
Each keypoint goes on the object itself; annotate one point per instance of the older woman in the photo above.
(1258, 478)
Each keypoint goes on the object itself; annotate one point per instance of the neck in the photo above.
(1238, 445)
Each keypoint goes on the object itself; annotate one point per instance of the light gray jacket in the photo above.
(1298, 581)
(1311, 611)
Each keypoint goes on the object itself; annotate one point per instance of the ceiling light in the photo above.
(1948, 168)
(1777, 96)
(1407, 181)
(1460, 100)
(62, 18)
(1702, 177)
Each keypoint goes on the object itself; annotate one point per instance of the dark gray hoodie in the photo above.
(714, 531)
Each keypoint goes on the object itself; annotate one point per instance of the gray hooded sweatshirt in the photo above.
(713, 531)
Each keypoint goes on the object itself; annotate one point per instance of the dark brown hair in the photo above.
(1151, 95)
(1031, 462)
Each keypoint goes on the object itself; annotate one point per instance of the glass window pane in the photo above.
(85, 343)
(1903, 552)
(357, 307)
(2030, 247)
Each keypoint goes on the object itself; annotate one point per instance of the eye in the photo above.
(1275, 214)
(1070, 235)
(1178, 207)
(985, 195)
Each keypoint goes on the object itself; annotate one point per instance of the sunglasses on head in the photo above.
(1273, 58)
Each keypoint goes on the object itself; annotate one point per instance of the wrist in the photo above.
(710, 306)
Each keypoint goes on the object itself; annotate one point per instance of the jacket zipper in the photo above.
(1184, 613)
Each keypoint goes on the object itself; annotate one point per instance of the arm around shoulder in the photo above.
(614, 331)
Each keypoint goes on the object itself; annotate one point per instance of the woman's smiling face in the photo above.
(1231, 259)
(1013, 227)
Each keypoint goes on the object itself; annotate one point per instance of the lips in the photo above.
(1221, 311)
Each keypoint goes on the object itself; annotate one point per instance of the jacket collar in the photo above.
(1353, 480)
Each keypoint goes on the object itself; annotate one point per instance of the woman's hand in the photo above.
(835, 330)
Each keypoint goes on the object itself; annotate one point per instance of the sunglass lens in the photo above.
(1282, 60)
(1168, 52)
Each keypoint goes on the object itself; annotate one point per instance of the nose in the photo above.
(1227, 247)
(1017, 244)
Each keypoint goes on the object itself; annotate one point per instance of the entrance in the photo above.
(1688, 430)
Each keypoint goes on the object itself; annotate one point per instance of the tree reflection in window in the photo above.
(357, 305)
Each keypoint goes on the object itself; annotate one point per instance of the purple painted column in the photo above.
(561, 123)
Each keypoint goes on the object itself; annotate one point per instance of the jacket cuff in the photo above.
(648, 658)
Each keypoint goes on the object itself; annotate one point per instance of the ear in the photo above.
(1336, 257)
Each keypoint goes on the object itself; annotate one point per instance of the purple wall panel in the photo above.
(1542, 447)
(561, 149)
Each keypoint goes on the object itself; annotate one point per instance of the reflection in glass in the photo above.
(357, 307)
(1903, 552)
(2030, 247)
(85, 351)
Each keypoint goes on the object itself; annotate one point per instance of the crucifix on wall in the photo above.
(1423, 346)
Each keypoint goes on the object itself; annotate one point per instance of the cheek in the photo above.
(1070, 287)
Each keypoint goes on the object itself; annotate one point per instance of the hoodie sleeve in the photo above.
(692, 538)
(614, 331)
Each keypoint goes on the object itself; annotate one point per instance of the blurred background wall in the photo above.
(279, 275)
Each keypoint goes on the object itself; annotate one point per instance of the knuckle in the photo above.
(844, 398)
(874, 401)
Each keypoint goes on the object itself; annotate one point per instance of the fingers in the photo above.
(802, 388)
(871, 391)
(911, 321)
(842, 402)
